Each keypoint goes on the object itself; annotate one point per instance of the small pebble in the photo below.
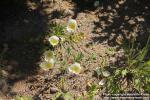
(53, 90)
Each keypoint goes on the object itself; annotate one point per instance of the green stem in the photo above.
(148, 41)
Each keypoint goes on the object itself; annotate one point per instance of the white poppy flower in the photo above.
(72, 25)
(102, 82)
(106, 73)
(48, 55)
(54, 40)
(47, 65)
(75, 68)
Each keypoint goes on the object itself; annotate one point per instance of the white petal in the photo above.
(54, 40)
(75, 68)
(47, 65)
(48, 55)
(102, 82)
(72, 25)
(106, 73)
(70, 30)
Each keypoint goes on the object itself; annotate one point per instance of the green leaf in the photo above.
(147, 88)
(80, 98)
(110, 51)
(94, 56)
(69, 50)
(23, 98)
(57, 96)
(148, 63)
(117, 72)
(92, 91)
(133, 62)
(67, 96)
(113, 86)
(137, 84)
(79, 57)
(98, 72)
(58, 29)
(142, 54)
(146, 68)
(124, 72)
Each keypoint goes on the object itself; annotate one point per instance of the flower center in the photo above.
(54, 41)
(75, 69)
(72, 26)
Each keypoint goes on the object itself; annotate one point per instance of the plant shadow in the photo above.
(22, 31)
(120, 21)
